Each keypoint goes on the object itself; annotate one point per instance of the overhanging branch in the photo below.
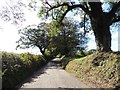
(114, 9)
(64, 14)
(56, 6)
(69, 8)
(86, 10)
(117, 19)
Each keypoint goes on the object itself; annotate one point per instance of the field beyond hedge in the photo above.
(99, 70)
(17, 67)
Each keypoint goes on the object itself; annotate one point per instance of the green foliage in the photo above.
(93, 16)
(17, 67)
(55, 38)
(66, 38)
(34, 36)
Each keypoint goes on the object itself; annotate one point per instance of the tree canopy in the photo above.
(64, 40)
(100, 19)
(32, 36)
(67, 39)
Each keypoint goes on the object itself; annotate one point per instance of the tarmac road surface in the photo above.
(53, 76)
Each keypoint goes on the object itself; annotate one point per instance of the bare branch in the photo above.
(48, 4)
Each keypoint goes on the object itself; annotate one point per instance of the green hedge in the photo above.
(17, 67)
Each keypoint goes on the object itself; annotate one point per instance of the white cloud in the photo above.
(8, 37)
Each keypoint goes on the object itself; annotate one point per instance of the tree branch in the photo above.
(96, 8)
(57, 6)
(64, 15)
(115, 8)
(69, 8)
(75, 6)
(80, 6)
(84, 24)
(40, 48)
(117, 19)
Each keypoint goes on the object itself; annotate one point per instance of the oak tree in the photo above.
(34, 36)
(100, 20)
(66, 39)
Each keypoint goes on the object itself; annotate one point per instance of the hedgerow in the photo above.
(17, 67)
(98, 70)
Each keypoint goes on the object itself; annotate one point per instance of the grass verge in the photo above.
(100, 70)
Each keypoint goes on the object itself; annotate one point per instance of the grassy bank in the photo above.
(98, 70)
(17, 67)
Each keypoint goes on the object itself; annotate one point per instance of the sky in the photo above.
(9, 33)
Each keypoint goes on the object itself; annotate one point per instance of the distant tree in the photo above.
(34, 36)
(66, 39)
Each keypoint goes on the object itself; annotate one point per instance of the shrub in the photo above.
(17, 67)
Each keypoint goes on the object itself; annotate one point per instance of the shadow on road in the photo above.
(54, 64)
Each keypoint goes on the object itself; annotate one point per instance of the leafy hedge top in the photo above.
(17, 67)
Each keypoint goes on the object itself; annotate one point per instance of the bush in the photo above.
(17, 67)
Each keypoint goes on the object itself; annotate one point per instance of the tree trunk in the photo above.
(42, 52)
(101, 29)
